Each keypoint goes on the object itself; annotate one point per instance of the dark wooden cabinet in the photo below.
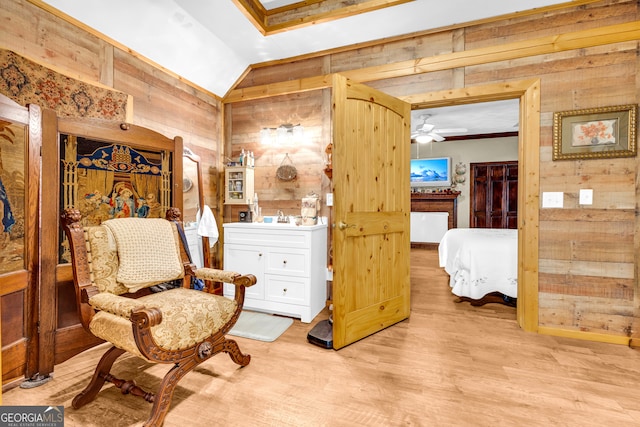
(494, 195)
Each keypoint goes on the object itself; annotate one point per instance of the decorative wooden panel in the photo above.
(20, 142)
(494, 195)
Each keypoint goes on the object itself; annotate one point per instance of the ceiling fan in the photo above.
(427, 132)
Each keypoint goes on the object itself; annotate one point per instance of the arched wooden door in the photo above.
(371, 153)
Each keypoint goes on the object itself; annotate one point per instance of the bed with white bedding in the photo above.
(481, 263)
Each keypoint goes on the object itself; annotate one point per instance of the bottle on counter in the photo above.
(256, 208)
(242, 158)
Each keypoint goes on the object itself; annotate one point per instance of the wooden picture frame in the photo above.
(595, 133)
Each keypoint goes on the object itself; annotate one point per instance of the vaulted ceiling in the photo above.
(212, 43)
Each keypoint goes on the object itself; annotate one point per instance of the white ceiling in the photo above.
(211, 43)
(478, 119)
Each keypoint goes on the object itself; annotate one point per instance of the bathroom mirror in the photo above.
(192, 197)
(192, 203)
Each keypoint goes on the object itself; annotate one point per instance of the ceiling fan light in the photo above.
(423, 139)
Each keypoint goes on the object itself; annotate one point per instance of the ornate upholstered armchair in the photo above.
(116, 265)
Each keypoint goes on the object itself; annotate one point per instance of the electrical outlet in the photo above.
(586, 196)
(329, 199)
(552, 199)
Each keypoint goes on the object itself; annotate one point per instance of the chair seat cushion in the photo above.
(188, 317)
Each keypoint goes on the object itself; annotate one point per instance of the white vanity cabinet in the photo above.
(195, 244)
(288, 261)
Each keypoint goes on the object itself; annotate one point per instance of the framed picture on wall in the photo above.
(595, 133)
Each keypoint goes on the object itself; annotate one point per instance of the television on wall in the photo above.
(434, 172)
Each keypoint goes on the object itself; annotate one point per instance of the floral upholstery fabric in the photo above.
(188, 317)
(103, 259)
(148, 252)
(216, 275)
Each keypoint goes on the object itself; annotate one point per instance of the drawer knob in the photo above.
(284, 261)
(284, 290)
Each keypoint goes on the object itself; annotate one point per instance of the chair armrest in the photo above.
(115, 304)
(225, 276)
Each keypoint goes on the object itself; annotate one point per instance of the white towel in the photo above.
(207, 226)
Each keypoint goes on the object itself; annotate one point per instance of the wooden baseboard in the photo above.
(588, 336)
(425, 245)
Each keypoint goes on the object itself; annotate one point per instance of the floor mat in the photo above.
(260, 326)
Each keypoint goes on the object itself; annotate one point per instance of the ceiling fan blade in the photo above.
(453, 130)
(425, 127)
(436, 137)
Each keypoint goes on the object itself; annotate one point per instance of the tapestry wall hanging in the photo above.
(105, 180)
(12, 196)
(27, 82)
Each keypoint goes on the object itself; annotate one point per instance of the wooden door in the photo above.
(371, 143)
(494, 195)
(20, 142)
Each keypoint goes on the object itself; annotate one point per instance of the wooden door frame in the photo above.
(528, 92)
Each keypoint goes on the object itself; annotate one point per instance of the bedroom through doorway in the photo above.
(481, 142)
(527, 93)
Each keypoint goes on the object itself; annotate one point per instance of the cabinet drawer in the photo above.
(267, 235)
(285, 289)
(291, 263)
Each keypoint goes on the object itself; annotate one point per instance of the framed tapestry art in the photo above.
(595, 133)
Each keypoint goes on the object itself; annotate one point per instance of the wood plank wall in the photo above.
(588, 260)
(161, 101)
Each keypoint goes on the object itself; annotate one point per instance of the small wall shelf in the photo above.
(238, 185)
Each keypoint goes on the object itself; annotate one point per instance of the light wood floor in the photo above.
(448, 365)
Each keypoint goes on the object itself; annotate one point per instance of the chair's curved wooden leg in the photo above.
(163, 398)
(233, 350)
(98, 380)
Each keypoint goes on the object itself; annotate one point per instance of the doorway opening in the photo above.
(528, 94)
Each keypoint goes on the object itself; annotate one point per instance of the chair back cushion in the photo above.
(148, 252)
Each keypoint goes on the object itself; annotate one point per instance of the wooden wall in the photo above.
(161, 101)
(588, 262)
(587, 254)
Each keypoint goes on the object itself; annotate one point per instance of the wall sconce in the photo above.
(285, 134)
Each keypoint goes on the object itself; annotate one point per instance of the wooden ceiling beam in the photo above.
(306, 13)
(617, 33)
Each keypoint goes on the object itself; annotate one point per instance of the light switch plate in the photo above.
(552, 199)
(329, 199)
(586, 196)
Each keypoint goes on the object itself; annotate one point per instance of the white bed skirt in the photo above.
(480, 261)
